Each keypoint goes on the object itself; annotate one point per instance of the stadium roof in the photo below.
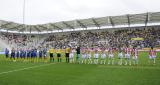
(129, 20)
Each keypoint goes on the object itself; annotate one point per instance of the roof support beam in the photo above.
(68, 25)
(46, 28)
(128, 18)
(23, 28)
(147, 19)
(15, 27)
(56, 27)
(30, 30)
(96, 23)
(81, 24)
(112, 23)
(3, 26)
(37, 29)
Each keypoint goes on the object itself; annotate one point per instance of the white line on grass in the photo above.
(24, 69)
(131, 67)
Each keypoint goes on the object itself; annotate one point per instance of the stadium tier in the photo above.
(142, 37)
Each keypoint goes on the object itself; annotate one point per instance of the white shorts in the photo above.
(127, 56)
(71, 55)
(120, 55)
(135, 57)
(103, 56)
(152, 57)
(110, 56)
(83, 56)
(89, 56)
(96, 56)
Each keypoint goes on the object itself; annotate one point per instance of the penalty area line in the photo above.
(24, 68)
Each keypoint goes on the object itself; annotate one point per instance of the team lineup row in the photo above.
(130, 55)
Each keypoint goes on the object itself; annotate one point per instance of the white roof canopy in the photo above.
(110, 21)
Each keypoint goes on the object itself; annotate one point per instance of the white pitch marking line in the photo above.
(130, 67)
(24, 69)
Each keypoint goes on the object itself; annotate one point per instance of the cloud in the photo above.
(45, 11)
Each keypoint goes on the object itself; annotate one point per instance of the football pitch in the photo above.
(42, 73)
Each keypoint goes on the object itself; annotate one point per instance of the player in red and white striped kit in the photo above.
(89, 56)
(71, 55)
(84, 56)
(120, 55)
(96, 56)
(103, 56)
(127, 51)
(152, 56)
(135, 55)
(110, 55)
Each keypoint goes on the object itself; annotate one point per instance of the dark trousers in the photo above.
(51, 57)
(67, 57)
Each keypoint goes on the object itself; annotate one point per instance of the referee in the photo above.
(59, 54)
(51, 51)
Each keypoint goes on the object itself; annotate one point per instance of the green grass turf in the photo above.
(80, 74)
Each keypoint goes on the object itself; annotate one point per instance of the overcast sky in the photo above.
(45, 11)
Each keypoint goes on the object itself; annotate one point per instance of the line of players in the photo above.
(130, 55)
(21, 54)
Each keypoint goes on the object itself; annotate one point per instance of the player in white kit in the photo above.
(135, 55)
(71, 55)
(127, 55)
(96, 55)
(103, 56)
(84, 56)
(89, 56)
(111, 56)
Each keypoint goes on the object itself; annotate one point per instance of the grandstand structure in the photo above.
(129, 20)
(85, 32)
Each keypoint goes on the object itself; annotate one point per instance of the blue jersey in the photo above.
(28, 53)
(6, 51)
(33, 53)
(24, 54)
(45, 52)
(17, 54)
(12, 53)
(40, 53)
(21, 54)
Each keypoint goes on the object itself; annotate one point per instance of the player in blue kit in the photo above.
(45, 53)
(13, 54)
(6, 53)
(24, 53)
(21, 53)
(17, 54)
(40, 53)
(28, 54)
(34, 52)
